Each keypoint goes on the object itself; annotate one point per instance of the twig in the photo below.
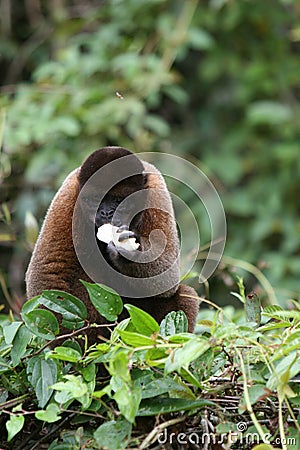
(53, 431)
(13, 402)
(69, 335)
(152, 436)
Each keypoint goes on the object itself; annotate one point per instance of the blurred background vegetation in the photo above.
(216, 82)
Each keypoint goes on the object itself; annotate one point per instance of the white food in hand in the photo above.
(108, 232)
(128, 244)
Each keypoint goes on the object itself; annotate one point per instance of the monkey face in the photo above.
(113, 210)
(106, 211)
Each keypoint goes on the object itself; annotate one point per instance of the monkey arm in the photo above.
(54, 264)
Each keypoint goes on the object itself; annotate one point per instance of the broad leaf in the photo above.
(65, 354)
(74, 385)
(89, 372)
(106, 301)
(135, 339)
(30, 305)
(285, 369)
(256, 393)
(128, 397)
(42, 323)
(142, 321)
(119, 365)
(50, 414)
(14, 425)
(181, 357)
(72, 309)
(42, 375)
(166, 385)
(154, 406)
(174, 322)
(113, 435)
(20, 342)
(9, 331)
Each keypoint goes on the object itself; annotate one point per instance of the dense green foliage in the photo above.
(232, 382)
(216, 82)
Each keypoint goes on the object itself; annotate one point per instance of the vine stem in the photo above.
(280, 419)
(152, 436)
(248, 402)
(70, 335)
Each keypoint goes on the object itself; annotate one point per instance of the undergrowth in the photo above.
(231, 385)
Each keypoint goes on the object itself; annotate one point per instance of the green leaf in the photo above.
(253, 308)
(135, 339)
(157, 124)
(200, 39)
(128, 397)
(119, 365)
(42, 323)
(181, 338)
(142, 321)
(50, 414)
(272, 309)
(256, 393)
(106, 301)
(74, 385)
(284, 315)
(89, 372)
(286, 368)
(72, 309)
(269, 113)
(20, 342)
(72, 344)
(42, 375)
(154, 406)
(154, 355)
(9, 331)
(113, 435)
(174, 322)
(181, 357)
(165, 385)
(30, 305)
(64, 354)
(190, 377)
(14, 425)
(2, 124)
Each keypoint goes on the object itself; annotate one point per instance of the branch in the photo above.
(69, 335)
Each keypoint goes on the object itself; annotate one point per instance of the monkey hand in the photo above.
(126, 239)
(122, 237)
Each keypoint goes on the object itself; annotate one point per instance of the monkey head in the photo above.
(102, 197)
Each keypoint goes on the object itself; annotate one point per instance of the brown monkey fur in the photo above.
(54, 264)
